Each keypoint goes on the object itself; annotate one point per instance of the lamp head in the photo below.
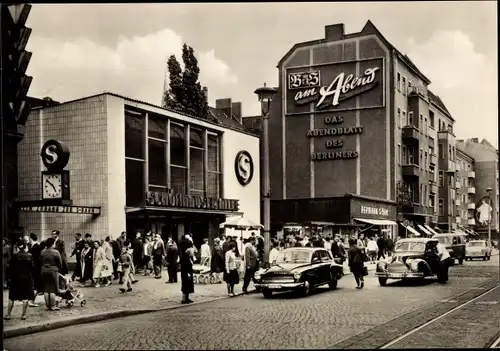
(265, 94)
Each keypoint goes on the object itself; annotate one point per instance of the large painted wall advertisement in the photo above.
(331, 93)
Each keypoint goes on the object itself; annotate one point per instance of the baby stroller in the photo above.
(202, 272)
(68, 294)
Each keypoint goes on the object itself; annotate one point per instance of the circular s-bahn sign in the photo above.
(243, 167)
(55, 155)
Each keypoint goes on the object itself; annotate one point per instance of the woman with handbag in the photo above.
(356, 263)
(102, 266)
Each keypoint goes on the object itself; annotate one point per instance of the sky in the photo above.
(80, 50)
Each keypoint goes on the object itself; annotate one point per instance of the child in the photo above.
(126, 262)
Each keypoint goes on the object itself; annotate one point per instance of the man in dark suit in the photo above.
(158, 253)
(35, 251)
(79, 245)
(251, 263)
(60, 246)
(138, 252)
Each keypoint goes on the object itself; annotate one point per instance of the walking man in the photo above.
(60, 246)
(77, 251)
(158, 253)
(35, 251)
(251, 263)
(381, 247)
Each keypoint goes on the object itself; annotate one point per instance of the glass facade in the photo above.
(171, 156)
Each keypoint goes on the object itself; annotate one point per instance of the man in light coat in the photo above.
(205, 250)
(251, 263)
(445, 261)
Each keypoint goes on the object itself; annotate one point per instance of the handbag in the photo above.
(365, 271)
(119, 268)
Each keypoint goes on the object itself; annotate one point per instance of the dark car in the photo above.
(455, 244)
(414, 258)
(299, 268)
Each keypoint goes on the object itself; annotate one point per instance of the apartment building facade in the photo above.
(486, 176)
(377, 140)
(465, 201)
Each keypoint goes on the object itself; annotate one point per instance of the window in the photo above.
(421, 125)
(157, 163)
(441, 151)
(410, 118)
(134, 182)
(432, 169)
(449, 152)
(431, 119)
(425, 160)
(441, 178)
(404, 86)
(450, 128)
(196, 162)
(441, 207)
(405, 121)
(178, 155)
(421, 164)
(432, 201)
(398, 156)
(405, 155)
(214, 171)
(425, 125)
(399, 82)
(157, 128)
(399, 121)
(134, 135)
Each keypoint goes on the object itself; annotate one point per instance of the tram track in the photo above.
(494, 343)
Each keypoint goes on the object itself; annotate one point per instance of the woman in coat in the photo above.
(51, 265)
(231, 276)
(187, 253)
(217, 264)
(87, 260)
(356, 262)
(172, 260)
(102, 266)
(21, 273)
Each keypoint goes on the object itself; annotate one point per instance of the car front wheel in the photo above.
(382, 281)
(306, 290)
(267, 293)
(461, 261)
(332, 284)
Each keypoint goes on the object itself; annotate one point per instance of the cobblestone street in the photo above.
(324, 319)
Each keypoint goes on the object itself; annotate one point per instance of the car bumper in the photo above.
(477, 254)
(279, 286)
(402, 275)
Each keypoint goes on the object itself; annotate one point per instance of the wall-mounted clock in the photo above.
(52, 186)
(55, 185)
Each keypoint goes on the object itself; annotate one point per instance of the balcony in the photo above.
(433, 159)
(471, 190)
(452, 167)
(415, 208)
(471, 174)
(458, 220)
(410, 134)
(458, 202)
(458, 185)
(433, 188)
(410, 171)
(471, 206)
(471, 221)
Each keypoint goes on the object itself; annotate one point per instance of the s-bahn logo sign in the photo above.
(327, 87)
(243, 167)
(55, 155)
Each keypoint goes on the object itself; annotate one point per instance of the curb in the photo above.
(43, 327)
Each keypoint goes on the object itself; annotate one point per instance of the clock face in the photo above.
(52, 186)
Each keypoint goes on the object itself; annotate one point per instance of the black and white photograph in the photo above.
(250, 175)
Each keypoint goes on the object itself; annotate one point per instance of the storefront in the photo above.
(144, 167)
(347, 215)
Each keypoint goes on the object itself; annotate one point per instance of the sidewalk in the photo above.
(148, 295)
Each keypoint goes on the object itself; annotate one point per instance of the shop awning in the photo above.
(376, 221)
(425, 230)
(430, 229)
(411, 230)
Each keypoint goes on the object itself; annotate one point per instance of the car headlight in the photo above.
(296, 275)
(414, 265)
(382, 265)
(257, 276)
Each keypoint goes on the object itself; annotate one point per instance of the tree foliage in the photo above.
(185, 91)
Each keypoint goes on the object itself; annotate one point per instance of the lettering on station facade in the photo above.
(62, 209)
(164, 199)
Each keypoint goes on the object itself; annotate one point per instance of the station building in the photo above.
(134, 166)
(354, 135)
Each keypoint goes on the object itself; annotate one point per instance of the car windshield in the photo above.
(410, 246)
(444, 239)
(294, 256)
(476, 244)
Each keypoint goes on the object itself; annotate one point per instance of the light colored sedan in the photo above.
(478, 249)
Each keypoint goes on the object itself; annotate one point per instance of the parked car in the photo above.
(301, 269)
(413, 258)
(455, 244)
(478, 249)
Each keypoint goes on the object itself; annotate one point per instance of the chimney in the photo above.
(205, 92)
(334, 32)
(236, 107)
(474, 140)
(224, 105)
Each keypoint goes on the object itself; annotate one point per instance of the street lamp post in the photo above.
(265, 95)
(490, 203)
